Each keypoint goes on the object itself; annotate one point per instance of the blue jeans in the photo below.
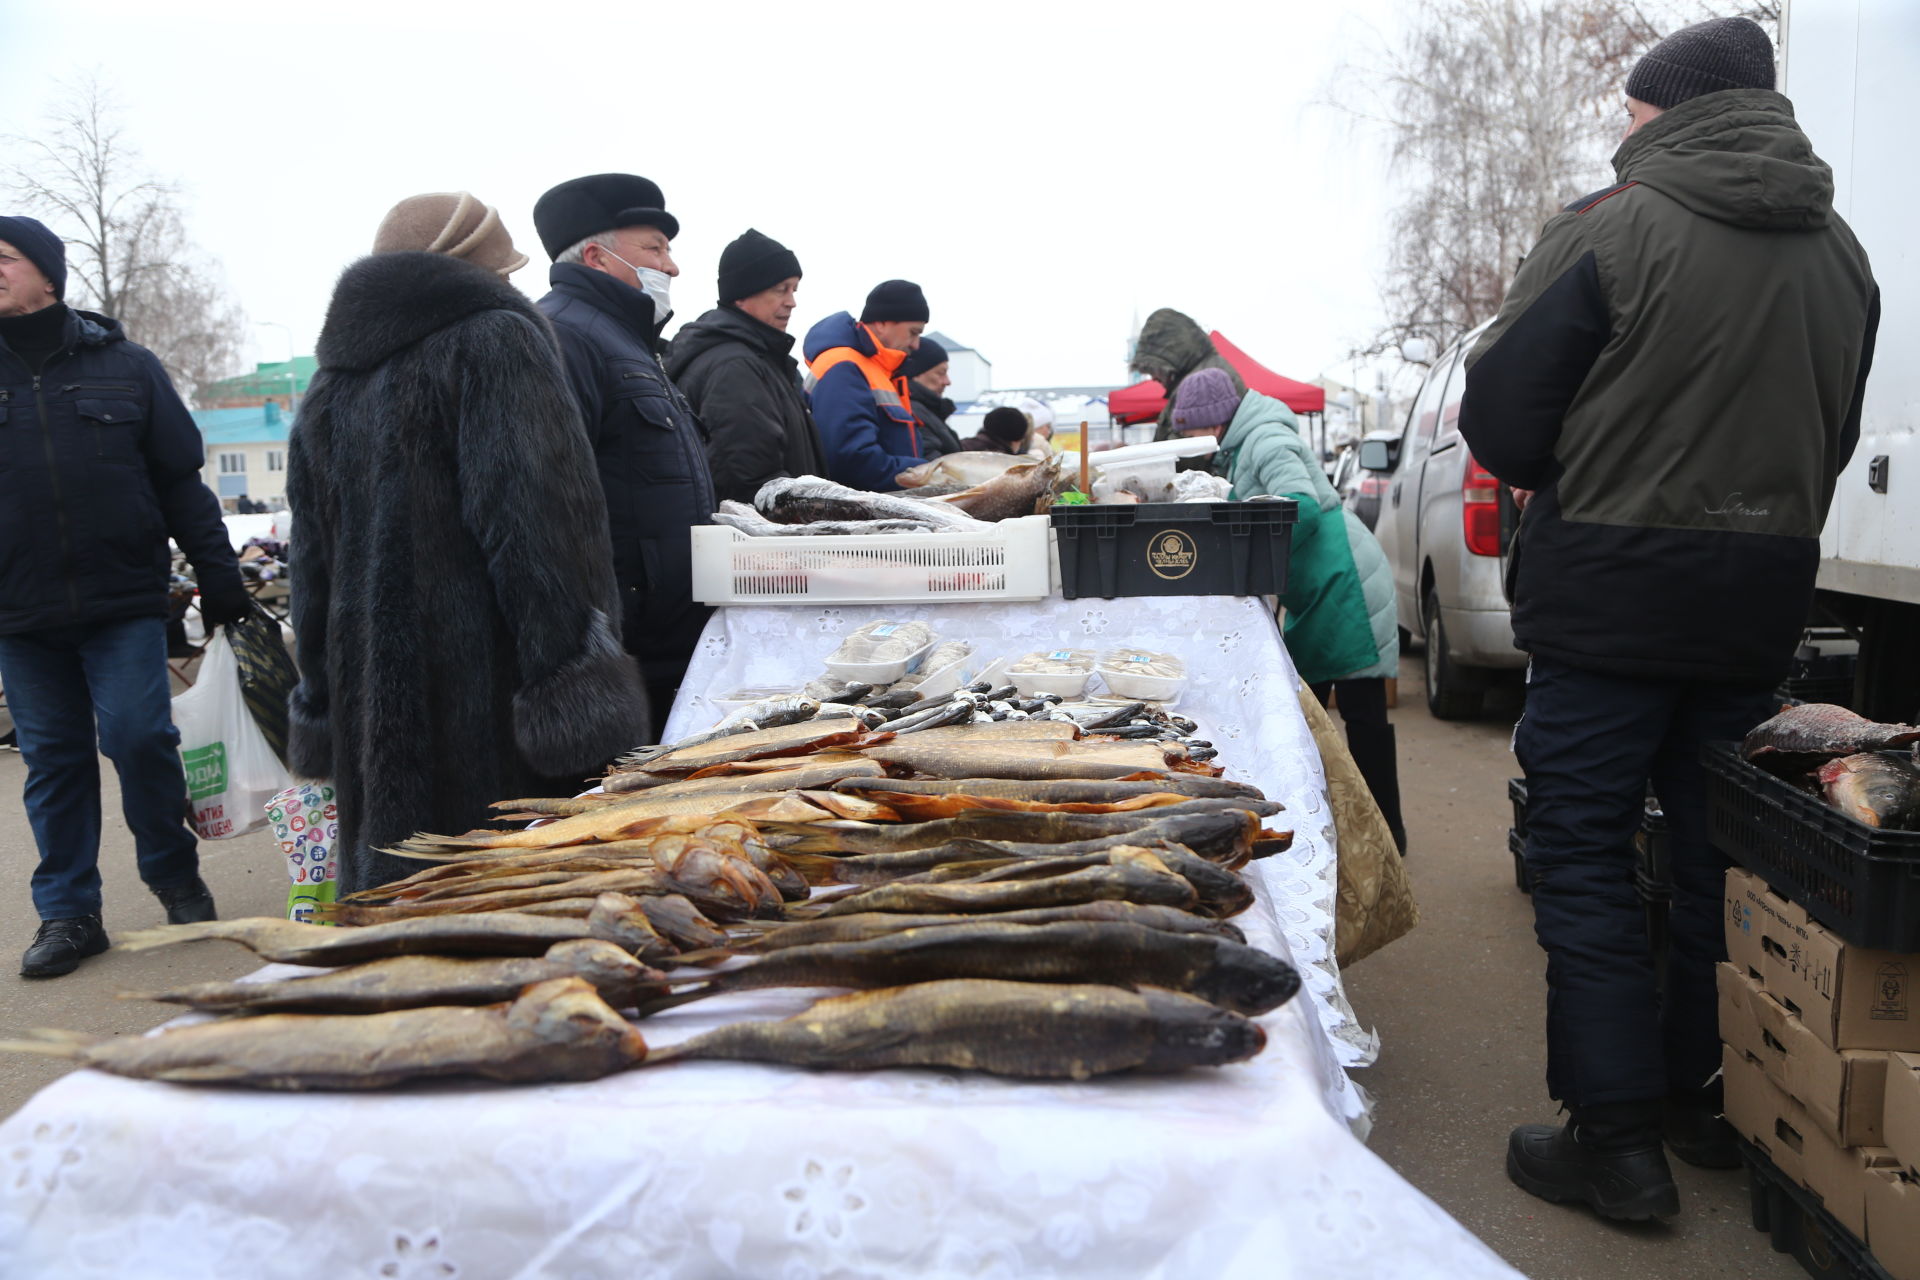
(59, 683)
(1589, 743)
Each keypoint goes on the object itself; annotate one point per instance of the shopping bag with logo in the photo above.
(307, 824)
(231, 771)
(267, 674)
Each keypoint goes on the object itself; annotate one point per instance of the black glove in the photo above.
(222, 604)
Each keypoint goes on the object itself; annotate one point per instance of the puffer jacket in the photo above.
(1678, 371)
(1340, 608)
(1171, 347)
(99, 466)
(931, 412)
(741, 377)
(869, 434)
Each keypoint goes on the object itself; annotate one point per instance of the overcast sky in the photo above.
(1047, 171)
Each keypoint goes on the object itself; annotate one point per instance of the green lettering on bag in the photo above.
(206, 770)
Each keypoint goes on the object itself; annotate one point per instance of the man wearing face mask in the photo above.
(609, 236)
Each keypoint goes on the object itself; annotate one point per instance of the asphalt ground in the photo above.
(1458, 1005)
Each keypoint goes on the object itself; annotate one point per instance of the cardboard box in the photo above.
(1785, 1133)
(1901, 1125)
(1844, 1090)
(1849, 997)
(1893, 1221)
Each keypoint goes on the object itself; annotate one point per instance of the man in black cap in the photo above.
(608, 236)
(927, 382)
(736, 365)
(1671, 388)
(86, 509)
(859, 400)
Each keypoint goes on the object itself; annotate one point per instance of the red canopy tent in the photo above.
(1143, 401)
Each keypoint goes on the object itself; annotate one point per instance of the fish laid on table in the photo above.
(687, 859)
(785, 740)
(874, 924)
(769, 713)
(1800, 737)
(726, 888)
(418, 982)
(1221, 834)
(1219, 891)
(806, 499)
(1878, 789)
(556, 1030)
(1026, 1029)
(1021, 490)
(676, 918)
(962, 758)
(612, 917)
(965, 469)
(1055, 790)
(1008, 731)
(618, 822)
(1141, 878)
(1229, 974)
(799, 774)
(926, 808)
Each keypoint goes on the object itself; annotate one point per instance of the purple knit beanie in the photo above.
(1205, 399)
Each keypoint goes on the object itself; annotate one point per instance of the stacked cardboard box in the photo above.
(1822, 1065)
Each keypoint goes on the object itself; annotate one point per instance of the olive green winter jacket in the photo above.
(1340, 612)
(1678, 371)
(1170, 349)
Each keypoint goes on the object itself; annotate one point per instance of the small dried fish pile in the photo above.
(1039, 1031)
(1851, 762)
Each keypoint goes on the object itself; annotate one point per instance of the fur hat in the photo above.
(1205, 399)
(453, 223)
(1721, 53)
(41, 247)
(895, 300)
(582, 207)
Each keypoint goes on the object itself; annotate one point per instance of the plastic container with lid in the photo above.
(1070, 683)
(1122, 671)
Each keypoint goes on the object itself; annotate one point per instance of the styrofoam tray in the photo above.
(1164, 690)
(881, 672)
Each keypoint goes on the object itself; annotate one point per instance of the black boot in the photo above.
(190, 903)
(1696, 1132)
(60, 946)
(1607, 1157)
(1374, 752)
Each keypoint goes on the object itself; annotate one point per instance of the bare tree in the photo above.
(1496, 113)
(129, 255)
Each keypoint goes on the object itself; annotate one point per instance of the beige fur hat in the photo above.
(453, 223)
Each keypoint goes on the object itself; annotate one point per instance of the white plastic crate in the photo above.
(1006, 562)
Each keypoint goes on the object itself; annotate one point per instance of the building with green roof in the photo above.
(283, 381)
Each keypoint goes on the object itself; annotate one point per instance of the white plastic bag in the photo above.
(232, 773)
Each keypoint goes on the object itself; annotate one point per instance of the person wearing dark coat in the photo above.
(735, 365)
(99, 466)
(926, 373)
(860, 401)
(453, 598)
(609, 236)
(1171, 348)
(1005, 431)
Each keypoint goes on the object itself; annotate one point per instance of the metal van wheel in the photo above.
(1453, 692)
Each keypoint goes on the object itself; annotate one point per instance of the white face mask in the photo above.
(655, 284)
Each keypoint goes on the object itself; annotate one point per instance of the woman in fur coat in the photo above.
(454, 603)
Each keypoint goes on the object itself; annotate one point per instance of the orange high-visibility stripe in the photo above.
(889, 393)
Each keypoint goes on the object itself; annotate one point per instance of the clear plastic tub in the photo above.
(878, 673)
(939, 684)
(1067, 684)
(1120, 670)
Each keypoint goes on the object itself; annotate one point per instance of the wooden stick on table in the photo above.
(1084, 486)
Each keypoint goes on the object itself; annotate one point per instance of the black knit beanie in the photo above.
(1724, 53)
(896, 300)
(922, 358)
(1006, 424)
(42, 248)
(753, 264)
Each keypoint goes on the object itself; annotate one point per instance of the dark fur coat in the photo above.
(453, 590)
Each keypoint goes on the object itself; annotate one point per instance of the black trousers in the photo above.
(1363, 706)
(1589, 742)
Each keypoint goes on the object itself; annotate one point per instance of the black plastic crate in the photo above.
(1174, 548)
(1517, 846)
(1861, 882)
(1797, 1224)
(1653, 855)
(1517, 797)
(1820, 677)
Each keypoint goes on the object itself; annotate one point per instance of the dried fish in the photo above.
(783, 740)
(1215, 829)
(1052, 791)
(418, 982)
(1144, 879)
(965, 470)
(806, 499)
(1020, 759)
(1033, 1030)
(874, 924)
(1018, 491)
(556, 1030)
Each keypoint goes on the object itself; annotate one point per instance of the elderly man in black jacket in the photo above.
(99, 466)
(736, 365)
(609, 236)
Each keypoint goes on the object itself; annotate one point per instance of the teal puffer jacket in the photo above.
(1341, 622)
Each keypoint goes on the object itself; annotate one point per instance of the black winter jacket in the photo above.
(652, 456)
(937, 439)
(743, 381)
(1678, 370)
(453, 591)
(99, 466)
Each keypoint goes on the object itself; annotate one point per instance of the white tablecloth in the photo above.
(741, 1170)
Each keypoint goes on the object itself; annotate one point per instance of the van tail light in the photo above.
(1480, 509)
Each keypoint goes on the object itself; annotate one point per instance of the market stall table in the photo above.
(716, 1169)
